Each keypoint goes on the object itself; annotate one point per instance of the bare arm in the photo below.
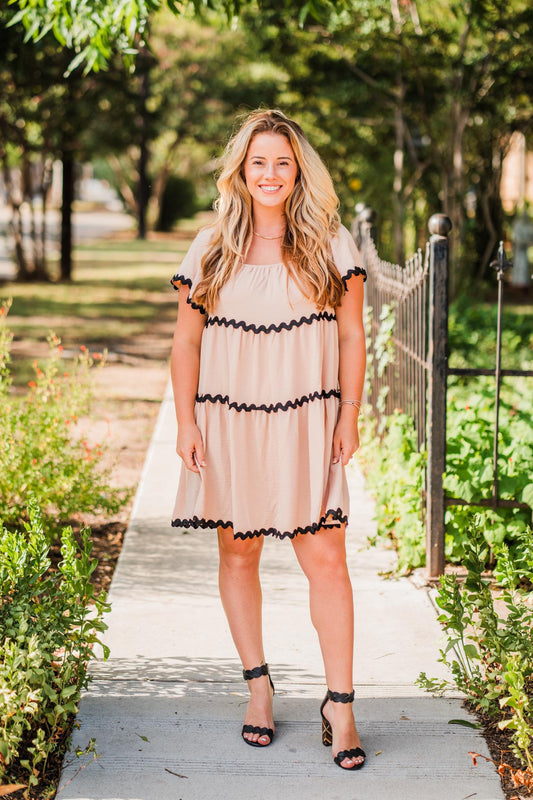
(352, 363)
(184, 369)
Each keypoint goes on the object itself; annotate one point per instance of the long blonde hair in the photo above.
(310, 211)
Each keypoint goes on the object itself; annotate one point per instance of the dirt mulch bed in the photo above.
(499, 749)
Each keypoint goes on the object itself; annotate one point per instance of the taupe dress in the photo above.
(267, 403)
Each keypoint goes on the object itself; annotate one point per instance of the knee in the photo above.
(329, 566)
(239, 555)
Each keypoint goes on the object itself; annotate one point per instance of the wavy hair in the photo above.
(311, 213)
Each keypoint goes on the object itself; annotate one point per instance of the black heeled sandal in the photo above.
(327, 733)
(248, 675)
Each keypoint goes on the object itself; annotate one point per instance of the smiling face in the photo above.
(270, 170)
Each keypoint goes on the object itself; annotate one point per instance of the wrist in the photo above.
(186, 421)
(349, 412)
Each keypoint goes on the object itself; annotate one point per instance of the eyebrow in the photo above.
(279, 158)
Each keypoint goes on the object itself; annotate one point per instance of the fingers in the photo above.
(346, 456)
(341, 453)
(192, 453)
(200, 453)
(337, 449)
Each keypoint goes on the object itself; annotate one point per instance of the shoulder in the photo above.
(203, 239)
(343, 244)
(190, 269)
(346, 255)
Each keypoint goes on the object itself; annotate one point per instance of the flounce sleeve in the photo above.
(190, 270)
(346, 256)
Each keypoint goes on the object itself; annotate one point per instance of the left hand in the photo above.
(345, 437)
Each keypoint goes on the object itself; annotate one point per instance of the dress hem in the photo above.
(200, 522)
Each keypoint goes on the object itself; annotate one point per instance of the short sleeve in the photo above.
(347, 256)
(190, 270)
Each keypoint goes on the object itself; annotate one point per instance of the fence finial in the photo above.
(439, 225)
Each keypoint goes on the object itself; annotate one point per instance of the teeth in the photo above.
(270, 189)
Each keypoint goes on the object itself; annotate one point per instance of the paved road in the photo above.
(166, 709)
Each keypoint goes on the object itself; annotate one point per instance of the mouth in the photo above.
(269, 189)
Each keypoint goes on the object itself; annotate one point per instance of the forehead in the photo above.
(270, 145)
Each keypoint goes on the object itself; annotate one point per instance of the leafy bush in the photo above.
(41, 454)
(48, 633)
(395, 474)
(490, 655)
(469, 473)
(395, 468)
(178, 202)
(472, 335)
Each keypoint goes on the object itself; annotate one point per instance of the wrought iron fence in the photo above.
(397, 297)
(412, 300)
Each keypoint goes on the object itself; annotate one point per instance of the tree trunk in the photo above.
(15, 201)
(143, 195)
(46, 184)
(66, 215)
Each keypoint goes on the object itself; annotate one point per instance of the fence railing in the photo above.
(411, 301)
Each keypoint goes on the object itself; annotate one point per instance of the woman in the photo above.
(268, 366)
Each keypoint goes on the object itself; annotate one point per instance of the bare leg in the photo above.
(322, 557)
(240, 591)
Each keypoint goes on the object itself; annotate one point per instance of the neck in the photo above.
(269, 221)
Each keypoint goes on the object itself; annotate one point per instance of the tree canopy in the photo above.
(95, 29)
(411, 105)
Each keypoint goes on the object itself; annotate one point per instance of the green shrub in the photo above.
(490, 654)
(178, 202)
(395, 469)
(42, 453)
(48, 633)
(469, 471)
(395, 474)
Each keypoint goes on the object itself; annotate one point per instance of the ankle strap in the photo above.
(341, 697)
(256, 672)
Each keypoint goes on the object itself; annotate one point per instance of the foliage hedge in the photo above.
(44, 455)
(50, 619)
(48, 632)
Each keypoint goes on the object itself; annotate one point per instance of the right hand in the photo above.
(190, 447)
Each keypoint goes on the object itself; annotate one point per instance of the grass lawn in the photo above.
(120, 299)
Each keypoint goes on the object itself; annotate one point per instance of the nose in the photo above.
(270, 170)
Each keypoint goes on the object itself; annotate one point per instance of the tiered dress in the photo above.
(267, 403)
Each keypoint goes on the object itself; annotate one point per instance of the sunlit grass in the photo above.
(119, 294)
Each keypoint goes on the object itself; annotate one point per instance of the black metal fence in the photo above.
(409, 305)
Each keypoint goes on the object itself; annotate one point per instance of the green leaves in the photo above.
(97, 29)
(44, 455)
(48, 633)
(491, 656)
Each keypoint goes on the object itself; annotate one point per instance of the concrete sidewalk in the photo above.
(166, 709)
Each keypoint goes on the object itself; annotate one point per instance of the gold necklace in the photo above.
(260, 235)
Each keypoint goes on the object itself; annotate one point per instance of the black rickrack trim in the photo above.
(180, 279)
(353, 271)
(187, 282)
(298, 403)
(287, 326)
(200, 522)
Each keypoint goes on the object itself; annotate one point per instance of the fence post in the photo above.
(364, 226)
(439, 228)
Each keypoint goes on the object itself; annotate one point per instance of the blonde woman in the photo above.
(267, 365)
